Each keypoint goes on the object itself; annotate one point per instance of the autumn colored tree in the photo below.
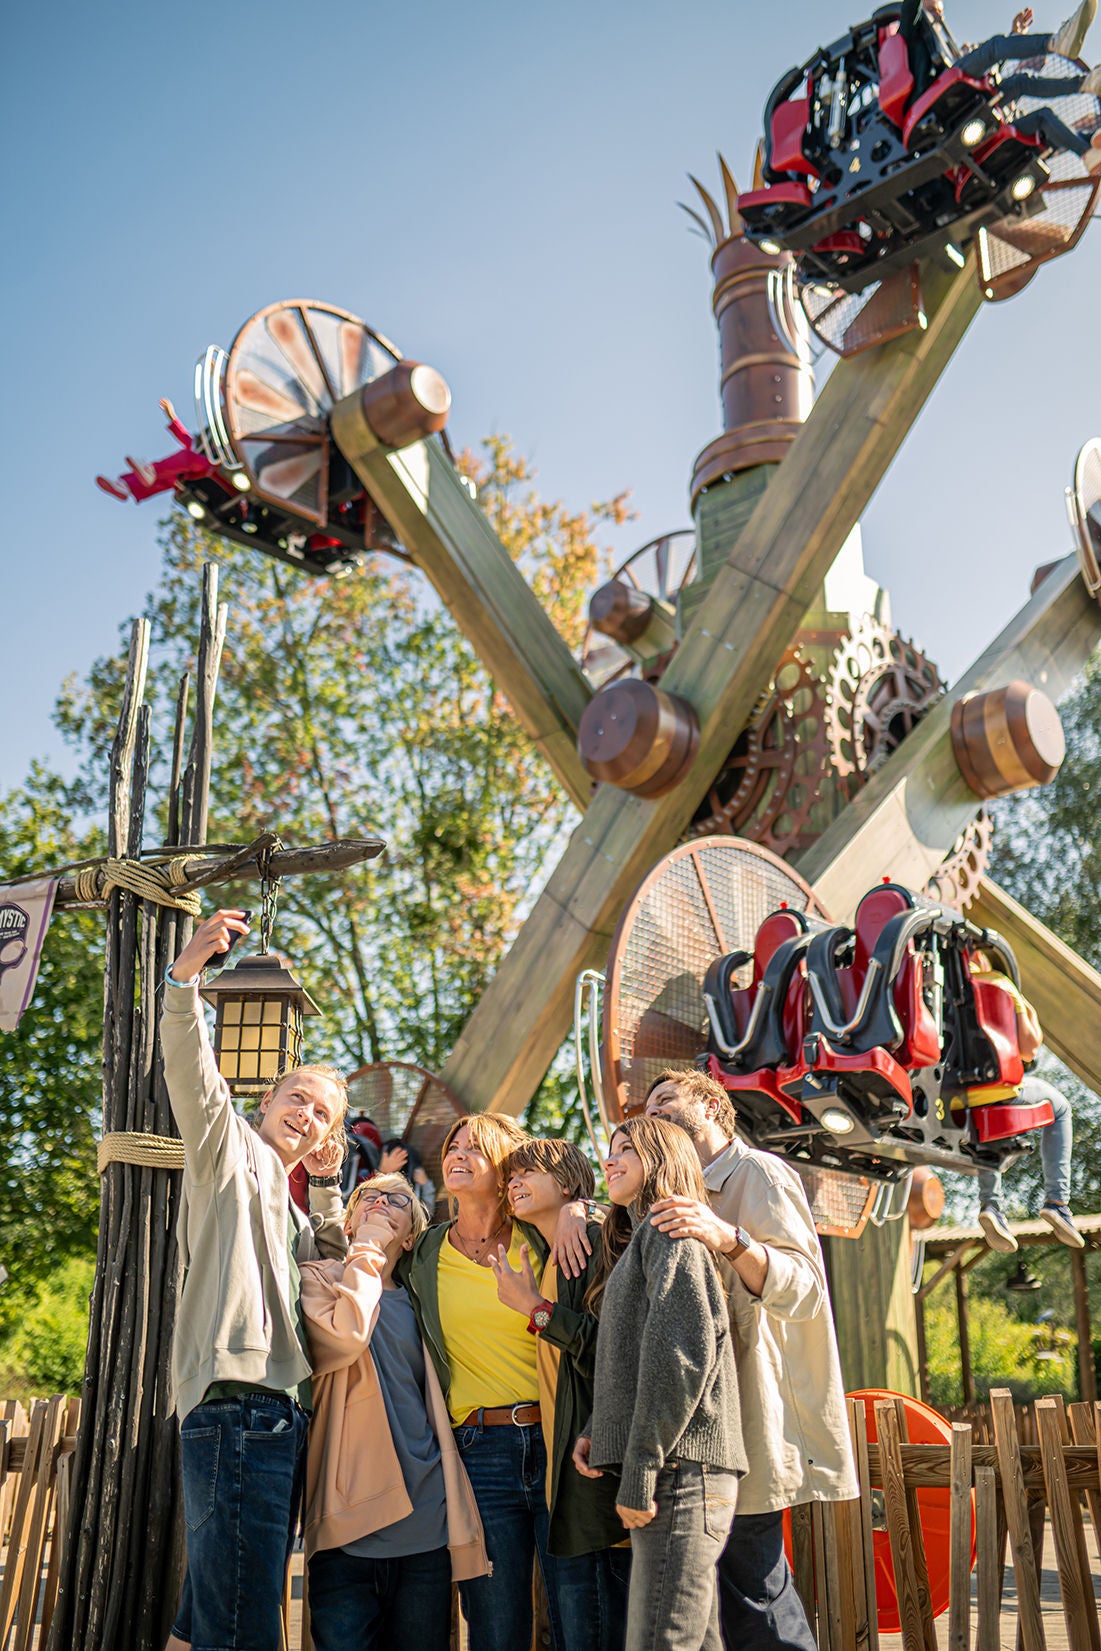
(356, 706)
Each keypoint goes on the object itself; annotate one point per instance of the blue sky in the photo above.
(494, 188)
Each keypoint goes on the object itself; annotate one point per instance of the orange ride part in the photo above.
(924, 1427)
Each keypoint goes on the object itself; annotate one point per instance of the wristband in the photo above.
(323, 1180)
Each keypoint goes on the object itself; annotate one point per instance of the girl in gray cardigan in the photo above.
(665, 1411)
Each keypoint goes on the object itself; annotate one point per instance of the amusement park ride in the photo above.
(779, 868)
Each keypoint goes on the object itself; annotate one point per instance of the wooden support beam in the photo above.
(317, 860)
(1064, 990)
(726, 657)
(423, 498)
(911, 812)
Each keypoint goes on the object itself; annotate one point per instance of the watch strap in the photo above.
(323, 1180)
(542, 1310)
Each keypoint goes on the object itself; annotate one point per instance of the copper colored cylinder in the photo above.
(620, 610)
(634, 736)
(1007, 740)
(766, 389)
(406, 404)
(925, 1204)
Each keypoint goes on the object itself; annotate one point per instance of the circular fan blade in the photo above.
(287, 366)
(288, 330)
(286, 476)
(274, 406)
(407, 1101)
(706, 898)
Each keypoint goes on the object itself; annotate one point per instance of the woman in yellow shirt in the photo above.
(485, 1357)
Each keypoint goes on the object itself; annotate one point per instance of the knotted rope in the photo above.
(162, 884)
(127, 1146)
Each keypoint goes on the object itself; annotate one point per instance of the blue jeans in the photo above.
(1056, 1144)
(591, 1590)
(673, 1604)
(242, 1479)
(507, 1466)
(759, 1607)
(360, 1604)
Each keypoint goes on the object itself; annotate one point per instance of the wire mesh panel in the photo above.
(840, 1203)
(706, 898)
(406, 1101)
(849, 322)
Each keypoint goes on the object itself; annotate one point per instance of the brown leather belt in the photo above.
(514, 1415)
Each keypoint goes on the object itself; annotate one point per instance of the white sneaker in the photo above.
(1061, 1222)
(996, 1228)
(1069, 37)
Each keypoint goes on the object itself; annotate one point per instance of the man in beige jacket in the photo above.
(240, 1364)
(759, 1226)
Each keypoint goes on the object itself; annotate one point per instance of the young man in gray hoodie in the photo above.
(240, 1366)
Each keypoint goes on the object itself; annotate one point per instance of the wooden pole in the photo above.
(725, 659)
(967, 1379)
(1087, 1372)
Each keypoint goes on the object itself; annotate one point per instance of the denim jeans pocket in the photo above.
(720, 1492)
(465, 1437)
(200, 1448)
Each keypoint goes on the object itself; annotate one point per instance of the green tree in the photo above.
(1005, 1352)
(50, 1068)
(44, 1352)
(354, 707)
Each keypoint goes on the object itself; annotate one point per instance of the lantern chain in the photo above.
(269, 894)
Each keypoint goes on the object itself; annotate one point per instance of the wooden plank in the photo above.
(1016, 1512)
(967, 1378)
(1063, 989)
(450, 539)
(928, 1467)
(960, 1516)
(852, 1634)
(1071, 1559)
(988, 1592)
(17, 1536)
(724, 661)
(1082, 1431)
(858, 1433)
(907, 1548)
(41, 1506)
(912, 810)
(802, 1557)
(826, 1635)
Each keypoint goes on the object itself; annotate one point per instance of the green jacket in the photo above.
(582, 1511)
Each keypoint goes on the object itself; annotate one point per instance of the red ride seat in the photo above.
(758, 1028)
(789, 123)
(777, 194)
(945, 104)
(994, 1108)
(896, 80)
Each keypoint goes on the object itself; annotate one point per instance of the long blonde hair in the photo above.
(496, 1137)
(670, 1169)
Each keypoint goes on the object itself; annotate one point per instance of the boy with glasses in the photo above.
(391, 1519)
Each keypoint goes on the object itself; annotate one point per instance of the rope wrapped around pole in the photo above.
(161, 884)
(127, 1146)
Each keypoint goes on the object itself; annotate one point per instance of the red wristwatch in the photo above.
(540, 1317)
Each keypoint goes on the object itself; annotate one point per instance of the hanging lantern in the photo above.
(260, 1005)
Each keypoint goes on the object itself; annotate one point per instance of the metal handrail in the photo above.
(586, 999)
(212, 435)
(733, 1050)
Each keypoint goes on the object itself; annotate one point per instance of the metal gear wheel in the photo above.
(880, 686)
(768, 785)
(956, 880)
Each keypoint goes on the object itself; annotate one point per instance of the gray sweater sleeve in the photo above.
(678, 1352)
(197, 1092)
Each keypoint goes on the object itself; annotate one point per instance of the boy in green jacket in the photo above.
(240, 1365)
